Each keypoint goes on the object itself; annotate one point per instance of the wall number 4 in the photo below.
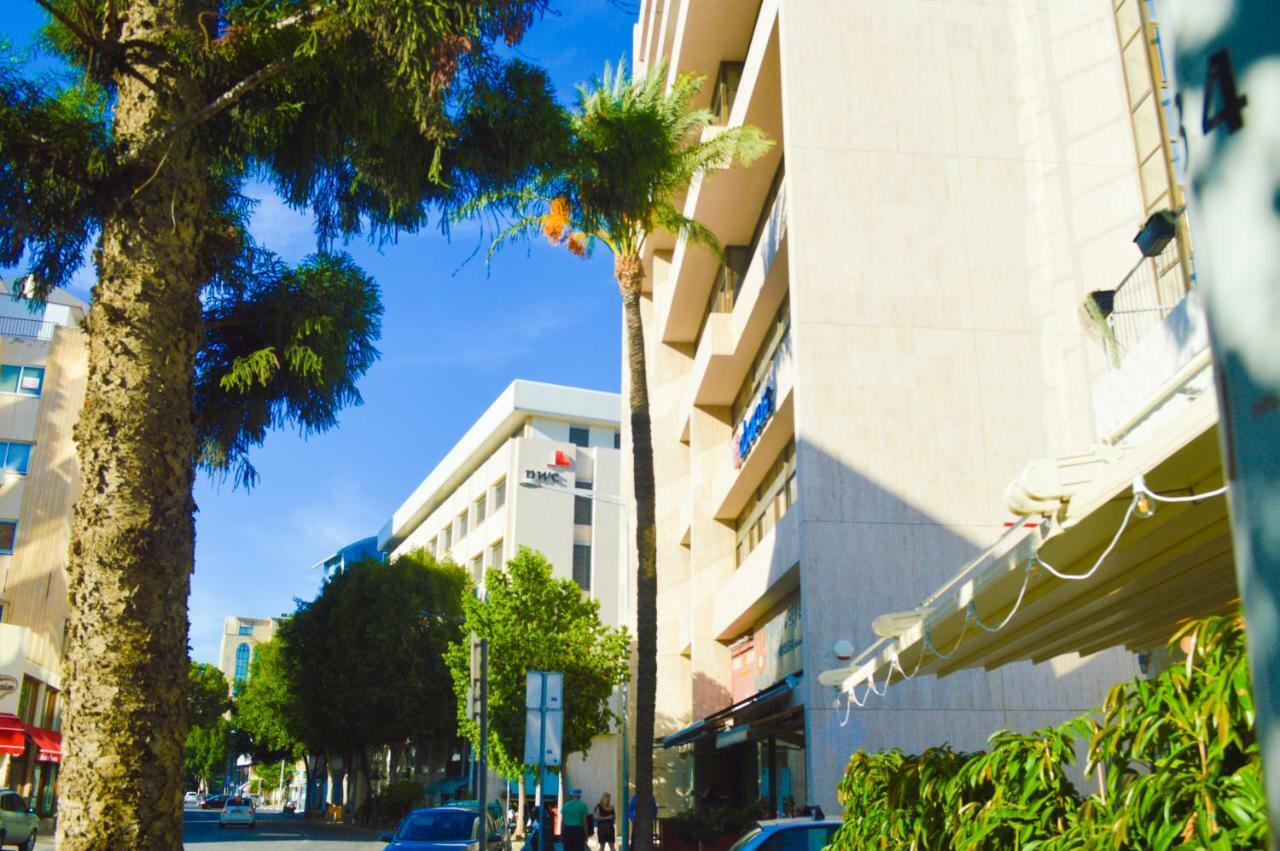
(1222, 104)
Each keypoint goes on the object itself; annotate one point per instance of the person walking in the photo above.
(573, 823)
(606, 819)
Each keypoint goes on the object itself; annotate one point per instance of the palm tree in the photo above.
(634, 145)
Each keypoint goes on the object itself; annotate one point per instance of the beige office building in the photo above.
(240, 635)
(539, 468)
(43, 367)
(895, 334)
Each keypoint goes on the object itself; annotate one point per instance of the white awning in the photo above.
(1161, 572)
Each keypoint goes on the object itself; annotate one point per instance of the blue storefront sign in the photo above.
(744, 439)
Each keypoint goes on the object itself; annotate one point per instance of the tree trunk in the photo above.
(133, 536)
(630, 274)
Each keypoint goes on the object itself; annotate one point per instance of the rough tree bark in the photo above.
(630, 274)
(133, 535)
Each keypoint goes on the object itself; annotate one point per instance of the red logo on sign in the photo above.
(561, 459)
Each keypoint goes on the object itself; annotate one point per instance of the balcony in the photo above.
(31, 329)
(728, 79)
(765, 578)
(725, 200)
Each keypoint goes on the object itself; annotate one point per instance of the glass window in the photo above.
(438, 826)
(582, 566)
(477, 566)
(579, 435)
(799, 839)
(582, 511)
(584, 484)
(617, 440)
(447, 535)
(25, 380)
(50, 708)
(242, 661)
(8, 536)
(480, 509)
(27, 700)
(14, 457)
(762, 364)
(432, 547)
(462, 525)
(768, 503)
(495, 554)
(499, 494)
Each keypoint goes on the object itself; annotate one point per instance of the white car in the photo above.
(237, 810)
(190, 798)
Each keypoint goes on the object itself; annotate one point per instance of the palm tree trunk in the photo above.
(133, 536)
(630, 274)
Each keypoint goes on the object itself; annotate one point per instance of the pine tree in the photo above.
(367, 113)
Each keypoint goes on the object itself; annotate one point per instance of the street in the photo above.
(284, 832)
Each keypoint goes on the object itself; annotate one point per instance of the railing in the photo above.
(1146, 295)
(726, 286)
(728, 78)
(17, 326)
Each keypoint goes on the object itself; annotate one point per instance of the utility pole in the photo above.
(482, 782)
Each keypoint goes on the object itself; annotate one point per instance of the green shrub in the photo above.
(1176, 761)
(398, 798)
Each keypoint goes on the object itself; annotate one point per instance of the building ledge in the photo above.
(768, 574)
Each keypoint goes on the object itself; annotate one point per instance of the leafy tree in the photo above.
(266, 709)
(536, 622)
(365, 659)
(634, 146)
(365, 112)
(205, 748)
(269, 774)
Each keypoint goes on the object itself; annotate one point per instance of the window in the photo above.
(582, 511)
(446, 535)
(477, 566)
(799, 839)
(23, 380)
(462, 525)
(480, 507)
(579, 435)
(582, 566)
(242, 662)
(432, 547)
(762, 364)
(50, 708)
(499, 494)
(617, 440)
(495, 554)
(246, 630)
(770, 501)
(14, 457)
(8, 536)
(584, 484)
(13, 803)
(27, 700)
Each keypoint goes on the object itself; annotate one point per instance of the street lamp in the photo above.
(622, 826)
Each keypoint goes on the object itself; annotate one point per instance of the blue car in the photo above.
(788, 834)
(455, 828)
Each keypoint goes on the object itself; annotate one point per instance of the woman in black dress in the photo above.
(605, 819)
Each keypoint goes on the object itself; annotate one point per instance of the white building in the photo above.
(560, 444)
(240, 638)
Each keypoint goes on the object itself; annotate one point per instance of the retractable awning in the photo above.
(48, 743)
(714, 723)
(1160, 572)
(13, 735)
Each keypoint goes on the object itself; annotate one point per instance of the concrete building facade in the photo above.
(43, 368)
(894, 333)
(540, 469)
(240, 635)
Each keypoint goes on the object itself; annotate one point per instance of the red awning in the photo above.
(13, 737)
(49, 742)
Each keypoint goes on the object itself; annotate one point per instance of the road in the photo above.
(282, 832)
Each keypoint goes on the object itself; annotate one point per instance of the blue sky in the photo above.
(454, 334)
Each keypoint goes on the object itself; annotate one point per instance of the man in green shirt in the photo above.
(573, 823)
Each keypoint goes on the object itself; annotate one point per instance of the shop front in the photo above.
(751, 754)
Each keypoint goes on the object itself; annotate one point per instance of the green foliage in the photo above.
(207, 692)
(400, 796)
(1176, 759)
(268, 775)
(365, 659)
(536, 622)
(632, 146)
(706, 824)
(204, 753)
(266, 709)
(428, 117)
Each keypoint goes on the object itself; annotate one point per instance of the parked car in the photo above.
(213, 802)
(446, 829)
(190, 798)
(788, 834)
(18, 822)
(238, 810)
